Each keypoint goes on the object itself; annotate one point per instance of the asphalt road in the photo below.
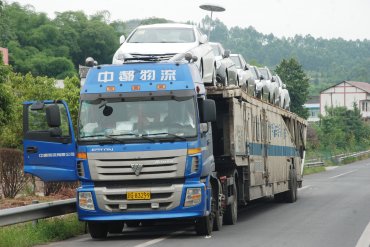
(333, 209)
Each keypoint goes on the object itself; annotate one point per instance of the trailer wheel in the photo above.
(231, 213)
(98, 230)
(291, 194)
(204, 225)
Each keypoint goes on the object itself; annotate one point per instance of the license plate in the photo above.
(138, 195)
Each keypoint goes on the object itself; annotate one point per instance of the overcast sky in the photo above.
(320, 18)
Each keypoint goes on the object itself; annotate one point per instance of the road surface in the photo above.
(333, 209)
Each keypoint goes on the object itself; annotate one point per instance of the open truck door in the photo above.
(49, 141)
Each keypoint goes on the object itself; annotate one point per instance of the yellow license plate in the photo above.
(138, 195)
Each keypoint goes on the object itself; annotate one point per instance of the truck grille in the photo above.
(137, 165)
(158, 56)
(162, 198)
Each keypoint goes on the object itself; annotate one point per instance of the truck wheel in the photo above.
(218, 217)
(231, 213)
(204, 225)
(226, 81)
(98, 230)
(291, 194)
(116, 227)
(214, 80)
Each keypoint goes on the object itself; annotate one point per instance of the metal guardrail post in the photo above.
(34, 223)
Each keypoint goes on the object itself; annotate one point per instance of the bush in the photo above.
(12, 178)
(66, 189)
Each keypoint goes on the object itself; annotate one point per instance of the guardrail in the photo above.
(338, 158)
(313, 164)
(43, 210)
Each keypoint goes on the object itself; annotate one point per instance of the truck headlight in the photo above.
(85, 201)
(193, 197)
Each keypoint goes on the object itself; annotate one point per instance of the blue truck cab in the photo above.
(142, 149)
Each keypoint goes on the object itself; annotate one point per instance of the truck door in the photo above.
(49, 141)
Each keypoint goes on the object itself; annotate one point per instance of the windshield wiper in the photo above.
(109, 136)
(136, 135)
(166, 133)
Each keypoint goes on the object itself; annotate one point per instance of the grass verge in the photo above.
(45, 231)
(311, 170)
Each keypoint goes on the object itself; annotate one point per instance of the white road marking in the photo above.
(342, 174)
(157, 240)
(364, 240)
(305, 187)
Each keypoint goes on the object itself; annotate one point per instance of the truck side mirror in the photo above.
(122, 39)
(227, 53)
(273, 79)
(246, 67)
(203, 39)
(207, 111)
(53, 115)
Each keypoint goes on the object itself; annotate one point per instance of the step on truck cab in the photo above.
(142, 150)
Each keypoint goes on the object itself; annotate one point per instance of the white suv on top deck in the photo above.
(163, 42)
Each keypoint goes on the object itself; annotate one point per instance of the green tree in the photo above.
(5, 94)
(342, 129)
(297, 82)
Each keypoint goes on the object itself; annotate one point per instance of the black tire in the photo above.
(201, 71)
(292, 193)
(204, 225)
(226, 81)
(214, 77)
(218, 216)
(231, 213)
(116, 227)
(98, 230)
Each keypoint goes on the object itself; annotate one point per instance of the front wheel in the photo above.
(204, 225)
(98, 230)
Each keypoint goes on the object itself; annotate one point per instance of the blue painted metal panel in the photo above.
(272, 150)
(53, 161)
(147, 75)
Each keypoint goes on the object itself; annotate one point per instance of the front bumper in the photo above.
(101, 214)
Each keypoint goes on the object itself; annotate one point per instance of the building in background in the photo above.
(5, 55)
(313, 106)
(345, 94)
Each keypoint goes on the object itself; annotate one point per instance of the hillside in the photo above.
(55, 47)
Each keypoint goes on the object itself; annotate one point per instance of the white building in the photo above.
(313, 106)
(347, 93)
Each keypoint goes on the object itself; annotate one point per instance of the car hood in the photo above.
(156, 48)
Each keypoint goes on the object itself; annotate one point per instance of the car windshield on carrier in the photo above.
(158, 118)
(237, 62)
(162, 35)
(265, 73)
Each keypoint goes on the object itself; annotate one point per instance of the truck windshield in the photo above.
(137, 119)
(162, 35)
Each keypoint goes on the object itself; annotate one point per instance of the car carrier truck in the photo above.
(153, 143)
